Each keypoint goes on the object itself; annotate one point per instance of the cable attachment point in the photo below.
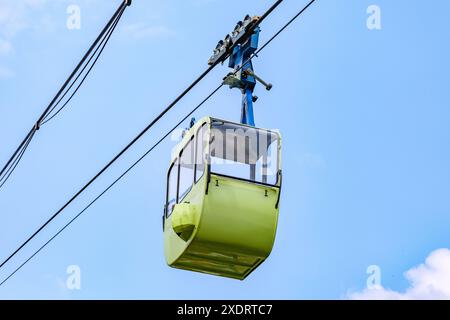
(128, 2)
(37, 126)
(233, 81)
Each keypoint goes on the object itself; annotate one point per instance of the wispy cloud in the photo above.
(140, 31)
(5, 47)
(5, 73)
(14, 15)
(430, 280)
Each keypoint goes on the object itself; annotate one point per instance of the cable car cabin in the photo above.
(223, 191)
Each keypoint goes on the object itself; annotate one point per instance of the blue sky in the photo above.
(363, 114)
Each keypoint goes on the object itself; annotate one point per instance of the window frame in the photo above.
(179, 171)
(174, 164)
(203, 126)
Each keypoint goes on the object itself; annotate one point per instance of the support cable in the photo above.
(105, 34)
(136, 162)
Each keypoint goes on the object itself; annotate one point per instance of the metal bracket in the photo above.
(238, 36)
(249, 72)
(233, 81)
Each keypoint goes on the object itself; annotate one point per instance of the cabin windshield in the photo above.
(244, 153)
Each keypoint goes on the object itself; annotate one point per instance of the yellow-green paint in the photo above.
(223, 226)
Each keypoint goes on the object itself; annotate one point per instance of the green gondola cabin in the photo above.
(223, 192)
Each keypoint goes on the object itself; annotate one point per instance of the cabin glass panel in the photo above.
(244, 152)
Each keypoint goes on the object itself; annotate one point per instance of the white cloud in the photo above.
(430, 280)
(140, 31)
